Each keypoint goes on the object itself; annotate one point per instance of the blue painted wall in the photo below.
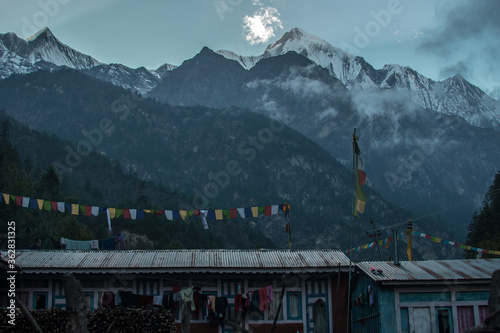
(387, 309)
(365, 317)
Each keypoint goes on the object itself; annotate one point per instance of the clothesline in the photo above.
(423, 235)
(208, 306)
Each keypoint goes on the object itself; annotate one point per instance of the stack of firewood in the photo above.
(131, 320)
(53, 320)
(114, 320)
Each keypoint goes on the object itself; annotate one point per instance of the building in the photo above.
(315, 283)
(421, 296)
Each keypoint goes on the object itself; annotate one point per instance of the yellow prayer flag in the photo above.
(112, 212)
(6, 198)
(183, 214)
(218, 214)
(255, 211)
(74, 209)
(40, 203)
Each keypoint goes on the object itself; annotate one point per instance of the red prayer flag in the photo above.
(267, 210)
(53, 204)
(88, 210)
(19, 200)
(126, 214)
(233, 213)
(196, 212)
(361, 177)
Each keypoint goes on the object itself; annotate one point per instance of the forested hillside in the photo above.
(25, 170)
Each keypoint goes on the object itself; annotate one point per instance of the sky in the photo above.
(438, 38)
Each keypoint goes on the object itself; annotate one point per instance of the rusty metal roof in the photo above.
(180, 261)
(431, 270)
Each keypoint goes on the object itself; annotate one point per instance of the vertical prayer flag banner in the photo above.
(408, 247)
(409, 231)
(360, 197)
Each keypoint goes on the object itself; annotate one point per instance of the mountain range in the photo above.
(428, 146)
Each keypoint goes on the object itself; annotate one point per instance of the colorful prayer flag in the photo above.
(255, 211)
(74, 209)
(360, 197)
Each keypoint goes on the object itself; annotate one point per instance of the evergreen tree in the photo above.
(484, 229)
(49, 186)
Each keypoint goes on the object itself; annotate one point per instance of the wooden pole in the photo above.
(354, 138)
(494, 300)
(28, 315)
(186, 317)
(283, 282)
(491, 324)
(75, 305)
(336, 300)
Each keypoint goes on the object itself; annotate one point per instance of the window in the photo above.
(422, 320)
(405, 320)
(273, 307)
(465, 318)
(444, 320)
(39, 301)
(294, 305)
(88, 301)
(483, 313)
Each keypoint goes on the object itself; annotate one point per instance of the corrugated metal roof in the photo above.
(181, 260)
(431, 270)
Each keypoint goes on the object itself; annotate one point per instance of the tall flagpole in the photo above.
(354, 138)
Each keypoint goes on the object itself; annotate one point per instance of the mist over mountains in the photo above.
(431, 147)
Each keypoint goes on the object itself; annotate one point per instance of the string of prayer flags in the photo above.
(462, 246)
(138, 214)
(423, 235)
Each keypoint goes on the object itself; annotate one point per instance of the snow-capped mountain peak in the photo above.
(298, 40)
(45, 46)
(454, 96)
(40, 51)
(45, 32)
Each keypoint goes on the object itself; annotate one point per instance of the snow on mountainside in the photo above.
(43, 51)
(24, 56)
(140, 79)
(454, 96)
(450, 96)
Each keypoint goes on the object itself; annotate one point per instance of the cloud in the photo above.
(467, 40)
(461, 67)
(260, 27)
(476, 19)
